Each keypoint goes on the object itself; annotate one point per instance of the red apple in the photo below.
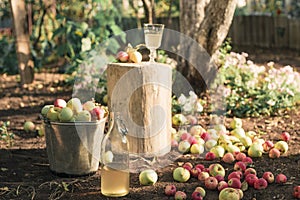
(97, 113)
(228, 158)
(269, 177)
(192, 140)
(188, 166)
(219, 177)
(201, 190)
(268, 145)
(240, 156)
(185, 136)
(248, 161)
(60, 103)
(174, 143)
(239, 166)
(170, 190)
(202, 176)
(210, 156)
(250, 170)
(251, 178)
(200, 166)
(122, 56)
(281, 178)
(296, 193)
(196, 196)
(205, 136)
(235, 174)
(285, 136)
(195, 172)
(222, 185)
(260, 184)
(211, 183)
(274, 153)
(180, 195)
(234, 183)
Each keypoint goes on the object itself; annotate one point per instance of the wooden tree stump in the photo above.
(141, 93)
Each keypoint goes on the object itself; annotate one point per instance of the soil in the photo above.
(24, 167)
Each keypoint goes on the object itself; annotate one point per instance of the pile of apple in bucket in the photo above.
(74, 131)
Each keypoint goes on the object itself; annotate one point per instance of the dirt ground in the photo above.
(24, 167)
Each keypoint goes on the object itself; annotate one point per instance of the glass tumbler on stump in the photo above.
(153, 34)
(115, 159)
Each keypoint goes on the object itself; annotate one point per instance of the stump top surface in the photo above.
(138, 65)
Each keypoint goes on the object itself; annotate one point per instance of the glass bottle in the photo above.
(115, 159)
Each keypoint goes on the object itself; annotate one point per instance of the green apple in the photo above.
(251, 134)
(224, 140)
(29, 126)
(184, 146)
(282, 146)
(45, 110)
(197, 148)
(197, 130)
(75, 105)
(216, 169)
(210, 144)
(236, 123)
(89, 105)
(229, 194)
(52, 114)
(238, 132)
(65, 115)
(255, 150)
(218, 150)
(40, 131)
(232, 148)
(175, 136)
(220, 128)
(148, 177)
(234, 139)
(181, 174)
(240, 146)
(83, 116)
(247, 141)
(179, 119)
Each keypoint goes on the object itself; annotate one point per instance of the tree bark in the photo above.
(208, 23)
(149, 7)
(21, 31)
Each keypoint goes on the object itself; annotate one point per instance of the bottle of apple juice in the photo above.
(115, 159)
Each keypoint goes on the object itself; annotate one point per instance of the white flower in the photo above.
(199, 107)
(182, 99)
(193, 97)
(270, 64)
(271, 102)
(187, 107)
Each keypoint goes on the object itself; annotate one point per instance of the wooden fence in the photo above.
(266, 31)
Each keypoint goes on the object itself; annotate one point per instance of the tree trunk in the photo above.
(208, 23)
(25, 63)
(149, 7)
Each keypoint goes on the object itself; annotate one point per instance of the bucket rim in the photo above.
(79, 123)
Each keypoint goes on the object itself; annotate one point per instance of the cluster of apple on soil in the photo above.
(230, 184)
(218, 142)
(235, 147)
(73, 111)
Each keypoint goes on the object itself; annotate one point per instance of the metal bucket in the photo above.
(74, 148)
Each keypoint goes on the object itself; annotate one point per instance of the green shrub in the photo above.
(247, 89)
